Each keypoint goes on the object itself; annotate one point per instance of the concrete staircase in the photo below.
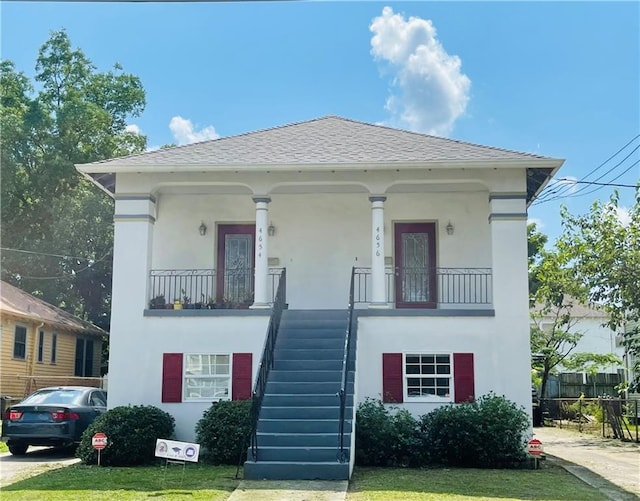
(298, 427)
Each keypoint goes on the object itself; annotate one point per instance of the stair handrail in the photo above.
(342, 454)
(266, 362)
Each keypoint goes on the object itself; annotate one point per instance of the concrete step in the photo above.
(312, 332)
(307, 365)
(304, 400)
(296, 343)
(306, 412)
(299, 454)
(307, 439)
(317, 387)
(300, 425)
(314, 354)
(283, 470)
(308, 376)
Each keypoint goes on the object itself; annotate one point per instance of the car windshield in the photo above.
(68, 396)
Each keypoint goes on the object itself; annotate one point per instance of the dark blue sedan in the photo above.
(52, 417)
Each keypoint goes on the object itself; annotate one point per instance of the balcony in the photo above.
(204, 289)
(429, 287)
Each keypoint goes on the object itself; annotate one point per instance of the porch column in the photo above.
(378, 290)
(508, 223)
(260, 291)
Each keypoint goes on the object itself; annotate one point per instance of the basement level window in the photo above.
(207, 376)
(428, 376)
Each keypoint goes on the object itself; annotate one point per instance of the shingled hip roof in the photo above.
(326, 141)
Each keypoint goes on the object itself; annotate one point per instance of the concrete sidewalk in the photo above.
(610, 465)
(290, 490)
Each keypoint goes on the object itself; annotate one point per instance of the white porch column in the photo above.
(508, 221)
(378, 289)
(260, 298)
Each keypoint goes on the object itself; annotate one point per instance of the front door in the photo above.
(415, 253)
(235, 263)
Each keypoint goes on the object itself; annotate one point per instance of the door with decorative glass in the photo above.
(415, 273)
(235, 263)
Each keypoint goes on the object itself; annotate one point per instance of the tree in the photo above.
(555, 332)
(604, 249)
(48, 210)
(536, 241)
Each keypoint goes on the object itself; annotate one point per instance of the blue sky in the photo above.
(557, 79)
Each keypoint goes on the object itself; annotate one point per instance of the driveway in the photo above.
(613, 460)
(35, 461)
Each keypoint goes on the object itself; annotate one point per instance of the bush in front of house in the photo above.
(387, 436)
(487, 433)
(131, 433)
(223, 431)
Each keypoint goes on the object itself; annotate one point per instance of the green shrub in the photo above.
(387, 437)
(487, 433)
(131, 433)
(223, 431)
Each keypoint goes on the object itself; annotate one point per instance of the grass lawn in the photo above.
(211, 483)
(93, 483)
(456, 484)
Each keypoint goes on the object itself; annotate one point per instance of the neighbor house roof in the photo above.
(16, 302)
(327, 141)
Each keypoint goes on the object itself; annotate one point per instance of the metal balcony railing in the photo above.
(200, 288)
(439, 286)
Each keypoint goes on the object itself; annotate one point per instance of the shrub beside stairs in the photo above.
(298, 426)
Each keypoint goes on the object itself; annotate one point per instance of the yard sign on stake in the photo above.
(99, 442)
(534, 448)
(177, 453)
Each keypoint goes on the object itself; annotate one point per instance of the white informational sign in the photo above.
(177, 451)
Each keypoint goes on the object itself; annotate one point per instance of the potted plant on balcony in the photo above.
(186, 301)
(157, 302)
(211, 303)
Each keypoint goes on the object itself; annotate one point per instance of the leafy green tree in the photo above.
(64, 223)
(536, 241)
(555, 332)
(604, 249)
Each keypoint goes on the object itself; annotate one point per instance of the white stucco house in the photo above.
(432, 230)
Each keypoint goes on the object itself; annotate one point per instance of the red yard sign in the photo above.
(534, 447)
(99, 441)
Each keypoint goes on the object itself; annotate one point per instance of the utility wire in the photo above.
(554, 191)
(67, 276)
(45, 254)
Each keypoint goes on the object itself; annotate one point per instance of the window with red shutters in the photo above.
(392, 384)
(463, 377)
(241, 377)
(172, 377)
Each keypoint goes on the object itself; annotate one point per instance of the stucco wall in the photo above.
(135, 369)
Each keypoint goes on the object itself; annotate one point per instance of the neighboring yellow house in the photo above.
(42, 345)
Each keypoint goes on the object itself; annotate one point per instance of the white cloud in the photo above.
(429, 92)
(538, 222)
(624, 215)
(184, 132)
(133, 129)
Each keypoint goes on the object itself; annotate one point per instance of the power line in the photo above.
(37, 253)
(603, 184)
(555, 191)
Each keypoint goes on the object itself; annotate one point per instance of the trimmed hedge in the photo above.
(487, 433)
(223, 431)
(131, 433)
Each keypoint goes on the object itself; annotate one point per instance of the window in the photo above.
(207, 377)
(20, 342)
(84, 357)
(54, 347)
(41, 346)
(428, 375)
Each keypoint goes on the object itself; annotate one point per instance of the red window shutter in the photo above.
(463, 379)
(241, 377)
(172, 377)
(392, 388)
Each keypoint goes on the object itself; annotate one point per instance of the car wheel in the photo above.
(18, 448)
